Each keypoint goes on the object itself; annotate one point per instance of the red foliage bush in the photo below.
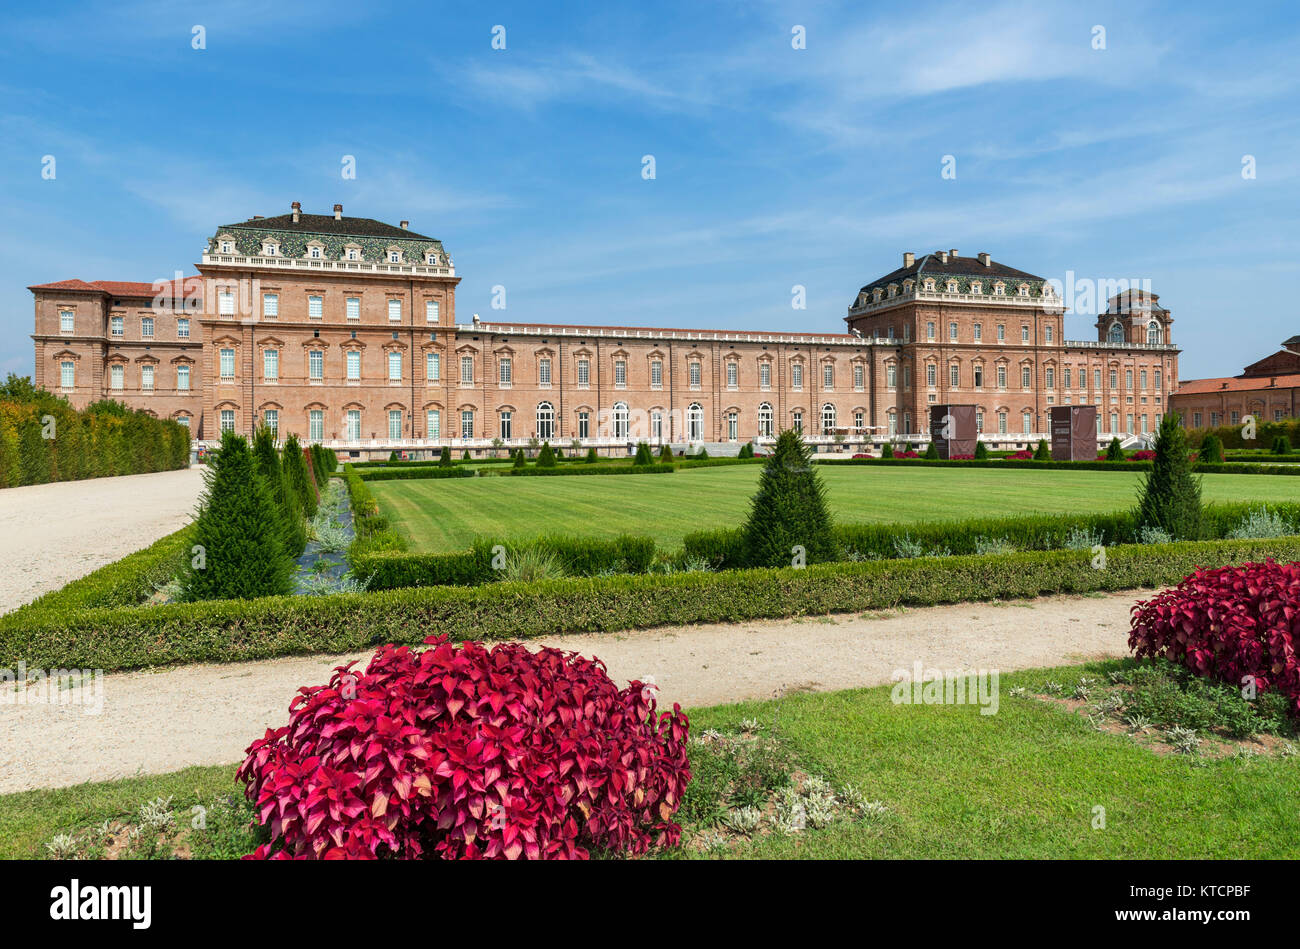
(961, 457)
(1022, 455)
(1228, 623)
(1144, 455)
(906, 454)
(863, 454)
(468, 752)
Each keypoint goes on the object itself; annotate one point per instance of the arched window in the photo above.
(828, 418)
(1116, 333)
(620, 420)
(1153, 332)
(765, 420)
(695, 422)
(545, 421)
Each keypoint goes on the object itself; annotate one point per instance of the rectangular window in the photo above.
(315, 308)
(954, 376)
(1067, 377)
(115, 325)
(1002, 423)
(657, 425)
(979, 332)
(1142, 379)
(765, 375)
(354, 366)
(1002, 377)
(733, 375)
(1129, 422)
(1027, 421)
(432, 366)
(433, 423)
(1196, 419)
(584, 373)
(1050, 377)
(227, 364)
(931, 375)
(354, 425)
(1024, 334)
(1047, 333)
(270, 305)
(1024, 377)
(733, 426)
(271, 365)
(907, 377)
(67, 374)
(796, 376)
(315, 365)
(116, 376)
(271, 419)
(859, 376)
(225, 303)
(979, 377)
(394, 311)
(184, 421)
(828, 377)
(952, 331)
(146, 327)
(891, 375)
(182, 329)
(467, 423)
(431, 311)
(656, 374)
(584, 424)
(316, 425)
(1114, 378)
(394, 367)
(227, 420)
(467, 370)
(929, 330)
(1096, 378)
(394, 423)
(354, 308)
(695, 375)
(146, 378)
(67, 321)
(544, 371)
(504, 370)
(620, 373)
(506, 424)
(183, 378)
(1157, 380)
(1002, 332)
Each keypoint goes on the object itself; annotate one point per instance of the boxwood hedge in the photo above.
(222, 631)
(1237, 468)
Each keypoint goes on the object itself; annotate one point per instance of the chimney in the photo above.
(405, 224)
(908, 258)
(297, 211)
(258, 217)
(986, 260)
(953, 252)
(338, 212)
(942, 255)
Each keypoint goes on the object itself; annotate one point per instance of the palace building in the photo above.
(1268, 390)
(343, 330)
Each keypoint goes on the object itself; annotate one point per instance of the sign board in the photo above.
(1074, 433)
(952, 429)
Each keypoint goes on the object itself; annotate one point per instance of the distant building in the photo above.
(343, 331)
(1268, 389)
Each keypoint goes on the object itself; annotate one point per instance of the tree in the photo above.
(546, 457)
(887, 450)
(392, 455)
(746, 450)
(295, 473)
(1211, 449)
(1171, 495)
(666, 454)
(592, 457)
(1113, 451)
(238, 550)
(643, 455)
(444, 459)
(932, 451)
(1042, 452)
(981, 451)
(789, 511)
(266, 460)
(465, 457)
(520, 462)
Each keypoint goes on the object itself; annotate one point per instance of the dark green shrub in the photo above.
(519, 462)
(1281, 445)
(300, 482)
(1113, 451)
(666, 453)
(1042, 452)
(931, 451)
(1170, 495)
(887, 450)
(546, 457)
(266, 460)
(643, 455)
(238, 535)
(981, 451)
(1211, 450)
(444, 458)
(465, 457)
(789, 509)
(394, 456)
(746, 450)
(701, 455)
(591, 456)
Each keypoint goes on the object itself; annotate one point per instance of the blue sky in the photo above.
(774, 166)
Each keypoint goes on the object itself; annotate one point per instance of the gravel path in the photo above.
(51, 534)
(154, 722)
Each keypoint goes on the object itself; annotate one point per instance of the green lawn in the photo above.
(446, 514)
(1021, 783)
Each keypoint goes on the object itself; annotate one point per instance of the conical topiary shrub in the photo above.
(789, 511)
(592, 457)
(643, 455)
(887, 450)
(932, 451)
(1211, 450)
(238, 550)
(981, 451)
(296, 474)
(520, 461)
(1113, 451)
(546, 457)
(266, 460)
(1042, 452)
(666, 454)
(444, 459)
(1171, 495)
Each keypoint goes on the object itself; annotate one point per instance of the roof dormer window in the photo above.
(999, 288)
(314, 251)
(976, 287)
(876, 295)
(227, 247)
(1023, 290)
(929, 285)
(433, 259)
(270, 248)
(952, 286)
(893, 289)
(352, 253)
(394, 255)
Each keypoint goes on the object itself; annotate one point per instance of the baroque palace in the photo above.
(343, 330)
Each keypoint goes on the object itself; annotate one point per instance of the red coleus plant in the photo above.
(460, 751)
(1228, 624)
(1143, 455)
(1021, 455)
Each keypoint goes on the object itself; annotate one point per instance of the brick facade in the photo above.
(332, 297)
(1268, 390)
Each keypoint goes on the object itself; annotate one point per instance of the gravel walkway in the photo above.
(154, 722)
(51, 534)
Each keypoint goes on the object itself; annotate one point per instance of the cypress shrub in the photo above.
(932, 451)
(520, 461)
(1171, 496)
(789, 509)
(546, 457)
(1211, 450)
(887, 450)
(1113, 451)
(746, 450)
(665, 453)
(239, 531)
(393, 456)
(295, 473)
(266, 460)
(465, 457)
(592, 457)
(700, 455)
(981, 451)
(1281, 445)
(1042, 452)
(643, 455)
(444, 458)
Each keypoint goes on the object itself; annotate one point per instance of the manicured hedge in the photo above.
(589, 470)
(43, 438)
(722, 547)
(223, 631)
(1234, 468)
(421, 472)
(1264, 434)
(580, 556)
